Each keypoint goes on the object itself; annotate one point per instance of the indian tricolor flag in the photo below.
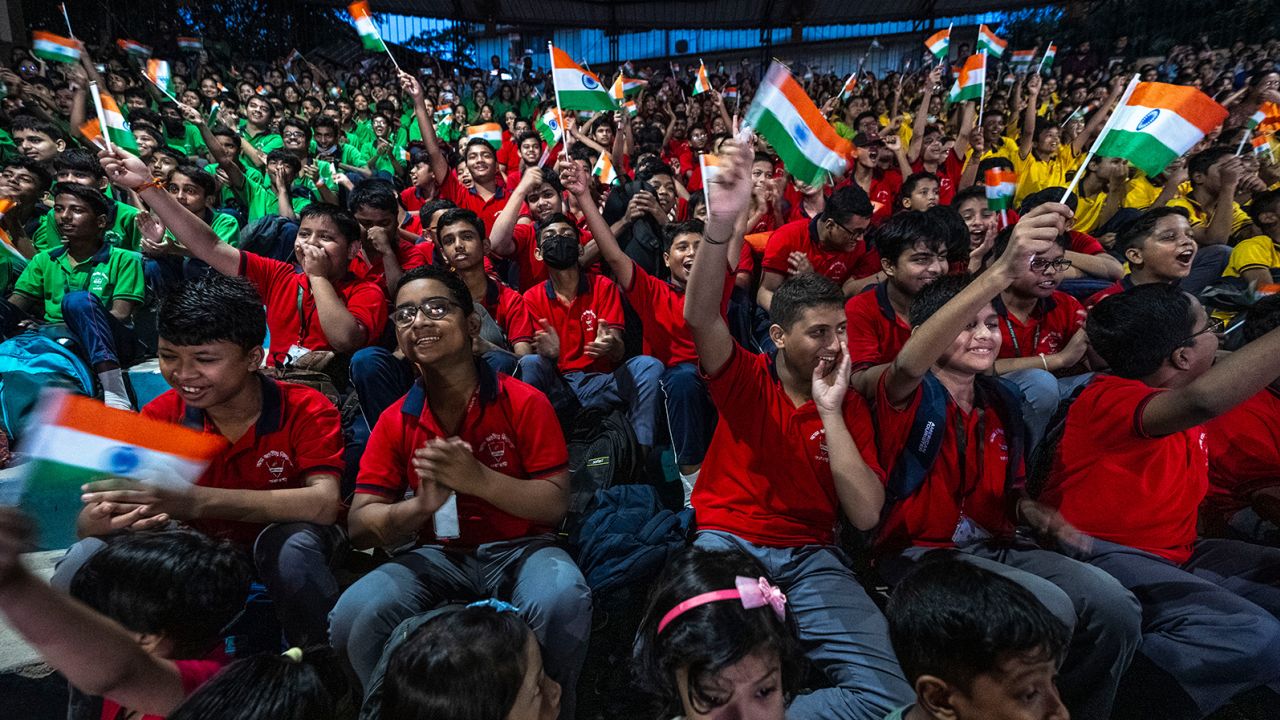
(190, 44)
(625, 87)
(76, 440)
(158, 73)
(1022, 59)
(973, 77)
(489, 132)
(7, 204)
(712, 166)
(604, 170)
(134, 48)
(1001, 185)
(368, 32)
(630, 107)
(1049, 54)
(54, 48)
(550, 126)
(987, 40)
(939, 43)
(1157, 123)
(117, 129)
(1261, 146)
(701, 83)
(809, 147)
(577, 89)
(730, 93)
(850, 85)
(92, 132)
(1254, 120)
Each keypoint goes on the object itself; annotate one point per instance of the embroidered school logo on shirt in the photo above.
(836, 270)
(820, 436)
(496, 451)
(277, 463)
(98, 282)
(589, 319)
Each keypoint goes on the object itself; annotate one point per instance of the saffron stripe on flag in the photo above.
(86, 415)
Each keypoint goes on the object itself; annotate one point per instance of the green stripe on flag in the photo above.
(793, 159)
(52, 498)
(596, 100)
(1146, 152)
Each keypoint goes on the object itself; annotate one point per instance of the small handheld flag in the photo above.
(6, 204)
(939, 43)
(850, 85)
(1022, 59)
(159, 75)
(1050, 53)
(604, 170)
(365, 26)
(630, 107)
(730, 93)
(1254, 120)
(809, 147)
(489, 132)
(54, 48)
(134, 48)
(1000, 186)
(111, 120)
(190, 44)
(972, 79)
(577, 89)
(989, 41)
(92, 132)
(550, 126)
(1261, 145)
(701, 83)
(624, 87)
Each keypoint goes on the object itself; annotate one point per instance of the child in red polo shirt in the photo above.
(1159, 247)
(792, 451)
(832, 245)
(143, 624)
(274, 490)
(467, 476)
(1244, 454)
(578, 354)
(384, 254)
(515, 236)
(1131, 470)
(913, 254)
(959, 483)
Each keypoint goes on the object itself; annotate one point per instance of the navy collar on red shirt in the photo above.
(270, 420)
(813, 230)
(1126, 283)
(416, 399)
(98, 258)
(882, 299)
(1043, 307)
(583, 287)
(492, 293)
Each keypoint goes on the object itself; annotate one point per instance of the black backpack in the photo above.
(603, 452)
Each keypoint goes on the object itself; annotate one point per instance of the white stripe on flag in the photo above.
(572, 80)
(61, 444)
(1165, 125)
(770, 97)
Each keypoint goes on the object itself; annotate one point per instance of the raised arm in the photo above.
(574, 179)
(501, 235)
(439, 164)
(1094, 126)
(921, 119)
(1027, 138)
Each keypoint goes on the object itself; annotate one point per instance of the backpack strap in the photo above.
(928, 427)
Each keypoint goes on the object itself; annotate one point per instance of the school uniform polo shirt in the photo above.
(467, 198)
(372, 268)
(1081, 242)
(874, 331)
(122, 231)
(260, 200)
(512, 430)
(1047, 329)
(1244, 453)
(802, 236)
(1118, 287)
(291, 308)
(298, 434)
(968, 478)
(1114, 481)
(227, 195)
(767, 476)
(225, 226)
(532, 270)
(1035, 174)
(110, 274)
(265, 141)
(1203, 216)
(1089, 208)
(509, 310)
(578, 322)
(1259, 251)
(883, 191)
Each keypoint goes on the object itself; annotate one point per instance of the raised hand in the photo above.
(831, 382)
(123, 168)
(546, 341)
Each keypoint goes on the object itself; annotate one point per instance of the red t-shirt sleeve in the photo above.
(317, 435)
(893, 425)
(1085, 244)
(195, 673)
(408, 255)
(368, 305)
(540, 439)
(382, 467)
(451, 189)
(265, 273)
(517, 320)
(609, 302)
(777, 250)
(861, 330)
(522, 235)
(734, 386)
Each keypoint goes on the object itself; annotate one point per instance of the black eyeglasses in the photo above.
(435, 308)
(1059, 265)
(855, 234)
(1214, 325)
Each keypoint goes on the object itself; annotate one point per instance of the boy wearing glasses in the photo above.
(466, 476)
(1131, 470)
(832, 245)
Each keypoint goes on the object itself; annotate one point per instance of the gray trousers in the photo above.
(840, 629)
(293, 560)
(1104, 618)
(1210, 624)
(1042, 391)
(531, 573)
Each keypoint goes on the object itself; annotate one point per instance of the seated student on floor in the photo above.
(274, 491)
(1130, 470)
(961, 484)
(77, 165)
(85, 283)
(463, 480)
(578, 358)
(982, 222)
(165, 261)
(1041, 346)
(383, 255)
(23, 182)
(143, 624)
(321, 307)
(975, 645)
(1216, 218)
(1244, 453)
(1256, 259)
(792, 417)
(913, 254)
(832, 245)
(1159, 249)
(660, 306)
(515, 236)
(1091, 265)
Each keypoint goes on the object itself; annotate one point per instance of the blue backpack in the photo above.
(29, 363)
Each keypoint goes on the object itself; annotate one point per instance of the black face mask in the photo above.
(560, 251)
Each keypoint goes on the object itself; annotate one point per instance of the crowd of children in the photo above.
(945, 462)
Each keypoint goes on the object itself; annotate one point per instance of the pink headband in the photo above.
(754, 593)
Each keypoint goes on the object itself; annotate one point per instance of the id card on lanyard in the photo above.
(1013, 338)
(297, 350)
(967, 531)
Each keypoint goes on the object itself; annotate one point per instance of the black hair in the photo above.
(973, 192)
(460, 215)
(863, 116)
(654, 169)
(933, 296)
(1200, 163)
(1136, 330)
(452, 281)
(529, 135)
(32, 123)
(1047, 195)
(146, 116)
(954, 232)
(1262, 318)
(275, 687)
(374, 193)
(993, 163)
(44, 178)
(955, 621)
(348, 228)
(463, 665)
(178, 157)
(213, 309)
(696, 198)
(78, 160)
(324, 121)
(909, 185)
(1006, 235)
(225, 131)
(182, 584)
(707, 639)
(1136, 231)
(1042, 127)
(286, 157)
(149, 129)
(431, 207)
(847, 202)
(207, 182)
(584, 152)
(90, 196)
(674, 230)
(552, 219)
(900, 233)
(295, 122)
(271, 109)
(552, 180)
(1267, 201)
(801, 292)
(479, 142)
